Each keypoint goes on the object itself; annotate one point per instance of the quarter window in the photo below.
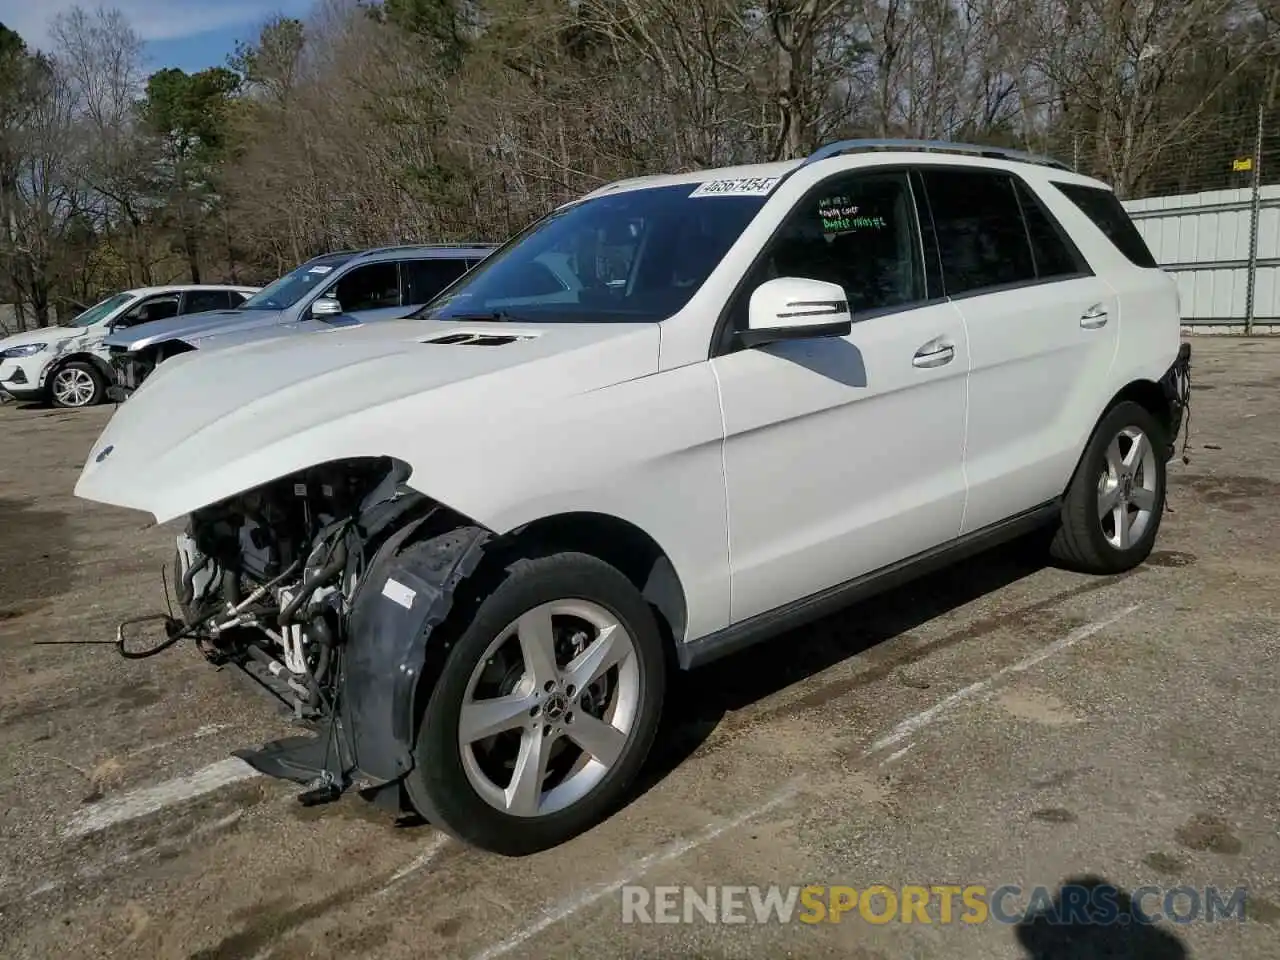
(858, 231)
(982, 240)
(1107, 213)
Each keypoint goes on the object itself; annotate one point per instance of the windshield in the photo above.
(292, 287)
(100, 310)
(630, 257)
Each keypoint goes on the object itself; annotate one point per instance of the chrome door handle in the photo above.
(934, 354)
(1094, 317)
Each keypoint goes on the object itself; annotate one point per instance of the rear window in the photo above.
(1104, 209)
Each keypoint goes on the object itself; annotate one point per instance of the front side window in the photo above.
(368, 288)
(856, 230)
(423, 279)
(981, 237)
(633, 256)
(153, 308)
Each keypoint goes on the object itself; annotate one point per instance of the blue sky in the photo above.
(189, 34)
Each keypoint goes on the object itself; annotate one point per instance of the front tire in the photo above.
(545, 710)
(1114, 505)
(78, 384)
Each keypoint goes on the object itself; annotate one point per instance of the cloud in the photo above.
(151, 19)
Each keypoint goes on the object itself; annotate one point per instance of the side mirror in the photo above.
(326, 307)
(793, 308)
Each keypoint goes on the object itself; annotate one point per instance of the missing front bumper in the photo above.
(1176, 384)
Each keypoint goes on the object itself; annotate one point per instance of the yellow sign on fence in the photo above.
(1242, 165)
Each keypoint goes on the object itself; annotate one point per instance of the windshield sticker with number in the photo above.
(739, 187)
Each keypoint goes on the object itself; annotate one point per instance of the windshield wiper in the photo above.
(493, 316)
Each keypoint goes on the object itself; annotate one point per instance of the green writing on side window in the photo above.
(847, 224)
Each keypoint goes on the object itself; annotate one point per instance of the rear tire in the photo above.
(559, 676)
(1113, 507)
(77, 384)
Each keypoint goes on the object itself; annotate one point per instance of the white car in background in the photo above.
(68, 367)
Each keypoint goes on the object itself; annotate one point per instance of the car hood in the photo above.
(210, 424)
(42, 335)
(222, 337)
(191, 326)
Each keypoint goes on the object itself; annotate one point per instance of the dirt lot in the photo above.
(1000, 724)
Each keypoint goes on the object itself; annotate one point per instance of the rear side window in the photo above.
(235, 297)
(423, 279)
(197, 301)
(981, 237)
(1055, 255)
(1104, 209)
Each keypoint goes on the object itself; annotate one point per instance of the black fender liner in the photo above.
(404, 596)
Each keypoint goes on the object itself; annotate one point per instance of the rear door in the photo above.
(1041, 333)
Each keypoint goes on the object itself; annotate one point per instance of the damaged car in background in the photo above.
(466, 547)
(333, 290)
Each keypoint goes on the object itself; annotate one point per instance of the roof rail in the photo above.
(942, 146)
(468, 245)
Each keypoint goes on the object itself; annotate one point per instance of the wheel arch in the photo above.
(93, 359)
(450, 562)
(621, 544)
(617, 542)
(1145, 393)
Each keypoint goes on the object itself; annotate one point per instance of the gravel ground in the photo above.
(1003, 723)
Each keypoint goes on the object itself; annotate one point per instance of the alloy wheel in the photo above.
(549, 708)
(73, 387)
(1127, 488)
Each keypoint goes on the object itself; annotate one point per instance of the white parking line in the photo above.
(910, 725)
(145, 800)
(566, 908)
(418, 862)
(200, 733)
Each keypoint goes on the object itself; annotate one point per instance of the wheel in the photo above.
(545, 709)
(1113, 507)
(78, 384)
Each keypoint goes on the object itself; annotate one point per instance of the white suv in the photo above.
(68, 366)
(468, 545)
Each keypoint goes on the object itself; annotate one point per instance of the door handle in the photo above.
(1094, 317)
(935, 353)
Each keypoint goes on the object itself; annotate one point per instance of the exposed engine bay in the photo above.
(276, 580)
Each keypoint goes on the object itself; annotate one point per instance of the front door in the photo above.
(843, 455)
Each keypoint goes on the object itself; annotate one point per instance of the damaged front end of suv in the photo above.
(288, 582)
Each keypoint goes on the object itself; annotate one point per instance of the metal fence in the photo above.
(1205, 195)
(1223, 246)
